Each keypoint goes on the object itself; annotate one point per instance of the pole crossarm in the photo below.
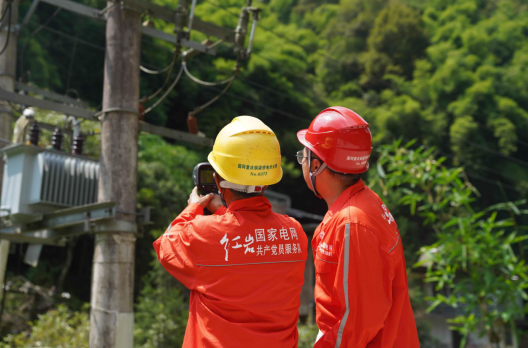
(168, 15)
(157, 11)
(54, 228)
(47, 94)
(46, 104)
(89, 115)
(172, 39)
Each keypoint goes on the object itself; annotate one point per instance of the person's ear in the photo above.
(264, 189)
(217, 180)
(315, 165)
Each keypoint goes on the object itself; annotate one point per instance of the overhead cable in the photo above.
(204, 83)
(166, 92)
(39, 28)
(215, 4)
(243, 79)
(171, 67)
(494, 182)
(475, 176)
(492, 151)
(72, 59)
(264, 106)
(202, 107)
(156, 72)
(8, 27)
(4, 13)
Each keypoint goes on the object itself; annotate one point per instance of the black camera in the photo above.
(203, 178)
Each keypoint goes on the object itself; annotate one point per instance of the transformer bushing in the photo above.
(34, 133)
(77, 147)
(56, 139)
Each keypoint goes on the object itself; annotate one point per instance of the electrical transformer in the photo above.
(38, 181)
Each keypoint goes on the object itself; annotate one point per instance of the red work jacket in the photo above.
(245, 269)
(361, 291)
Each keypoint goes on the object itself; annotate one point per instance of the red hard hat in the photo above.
(341, 138)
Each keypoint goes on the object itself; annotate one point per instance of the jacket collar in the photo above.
(258, 203)
(343, 198)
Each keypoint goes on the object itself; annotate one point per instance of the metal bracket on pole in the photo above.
(55, 228)
(33, 254)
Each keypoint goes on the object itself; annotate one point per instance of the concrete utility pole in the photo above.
(112, 314)
(7, 83)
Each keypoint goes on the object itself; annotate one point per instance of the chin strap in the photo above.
(315, 173)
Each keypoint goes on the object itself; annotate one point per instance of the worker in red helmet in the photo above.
(361, 290)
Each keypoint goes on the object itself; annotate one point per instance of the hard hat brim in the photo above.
(301, 136)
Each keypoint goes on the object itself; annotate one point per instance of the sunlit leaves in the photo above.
(475, 263)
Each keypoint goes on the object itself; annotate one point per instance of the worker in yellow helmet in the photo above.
(244, 264)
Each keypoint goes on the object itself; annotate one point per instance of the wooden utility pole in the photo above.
(7, 83)
(112, 311)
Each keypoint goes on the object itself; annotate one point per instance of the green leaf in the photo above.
(381, 172)
(410, 143)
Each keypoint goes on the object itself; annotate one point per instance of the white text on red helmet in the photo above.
(350, 158)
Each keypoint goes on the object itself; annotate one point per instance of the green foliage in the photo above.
(425, 337)
(474, 256)
(307, 335)
(161, 312)
(165, 177)
(453, 74)
(58, 328)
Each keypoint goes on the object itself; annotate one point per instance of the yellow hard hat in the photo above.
(247, 152)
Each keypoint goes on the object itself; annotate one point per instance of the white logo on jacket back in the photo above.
(260, 236)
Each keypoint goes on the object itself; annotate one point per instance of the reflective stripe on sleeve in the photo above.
(345, 285)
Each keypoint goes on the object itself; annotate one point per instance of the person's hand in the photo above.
(215, 204)
(194, 197)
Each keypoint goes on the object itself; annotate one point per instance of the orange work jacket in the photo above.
(361, 291)
(245, 269)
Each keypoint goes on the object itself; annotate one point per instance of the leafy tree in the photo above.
(162, 311)
(474, 256)
(60, 328)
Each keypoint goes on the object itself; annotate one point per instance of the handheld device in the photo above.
(203, 178)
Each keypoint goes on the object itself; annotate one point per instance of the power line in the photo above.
(244, 79)
(72, 59)
(71, 37)
(513, 159)
(478, 177)
(295, 117)
(8, 27)
(247, 100)
(217, 5)
(495, 152)
(523, 143)
(35, 32)
(256, 103)
(478, 166)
